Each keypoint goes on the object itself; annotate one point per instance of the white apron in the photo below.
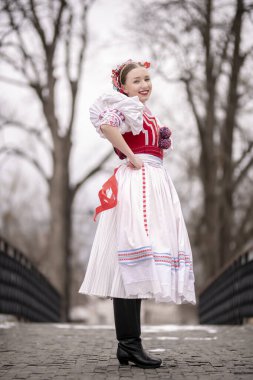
(141, 247)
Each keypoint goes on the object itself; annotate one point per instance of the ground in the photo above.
(74, 351)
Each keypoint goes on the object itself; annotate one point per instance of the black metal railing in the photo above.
(24, 291)
(228, 297)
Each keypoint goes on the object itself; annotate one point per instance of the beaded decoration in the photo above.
(116, 74)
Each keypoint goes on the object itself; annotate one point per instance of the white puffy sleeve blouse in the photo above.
(118, 110)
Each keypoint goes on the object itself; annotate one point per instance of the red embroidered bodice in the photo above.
(146, 141)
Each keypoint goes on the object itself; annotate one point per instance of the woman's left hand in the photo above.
(135, 163)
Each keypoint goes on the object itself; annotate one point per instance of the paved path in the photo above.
(73, 352)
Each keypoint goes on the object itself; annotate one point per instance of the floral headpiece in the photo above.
(116, 74)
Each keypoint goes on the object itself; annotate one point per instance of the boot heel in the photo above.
(122, 356)
(123, 361)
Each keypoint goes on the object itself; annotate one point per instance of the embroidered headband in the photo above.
(116, 74)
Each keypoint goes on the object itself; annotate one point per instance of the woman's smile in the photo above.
(144, 92)
(138, 83)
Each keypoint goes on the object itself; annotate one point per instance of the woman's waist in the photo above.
(148, 158)
(152, 150)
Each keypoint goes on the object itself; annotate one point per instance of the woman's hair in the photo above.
(120, 73)
(126, 69)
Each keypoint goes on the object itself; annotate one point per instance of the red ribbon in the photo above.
(107, 202)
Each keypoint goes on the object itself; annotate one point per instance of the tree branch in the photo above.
(245, 238)
(67, 45)
(223, 56)
(244, 154)
(207, 42)
(74, 84)
(17, 28)
(58, 23)
(10, 61)
(33, 161)
(17, 124)
(14, 82)
(99, 166)
(242, 174)
(83, 39)
(199, 122)
(248, 217)
(38, 26)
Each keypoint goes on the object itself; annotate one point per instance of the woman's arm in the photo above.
(115, 137)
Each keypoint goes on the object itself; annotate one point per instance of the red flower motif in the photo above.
(146, 64)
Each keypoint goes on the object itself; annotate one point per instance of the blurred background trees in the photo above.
(43, 46)
(205, 49)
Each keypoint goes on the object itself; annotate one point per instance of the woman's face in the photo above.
(138, 83)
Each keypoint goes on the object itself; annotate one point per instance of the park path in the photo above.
(78, 352)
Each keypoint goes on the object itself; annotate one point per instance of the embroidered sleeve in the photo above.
(112, 117)
(118, 110)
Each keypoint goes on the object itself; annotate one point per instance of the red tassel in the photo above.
(107, 202)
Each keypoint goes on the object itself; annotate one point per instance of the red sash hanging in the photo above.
(107, 202)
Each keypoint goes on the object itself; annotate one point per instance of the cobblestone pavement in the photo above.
(75, 351)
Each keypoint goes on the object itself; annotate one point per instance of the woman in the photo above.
(141, 248)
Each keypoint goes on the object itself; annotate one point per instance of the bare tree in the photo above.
(206, 47)
(25, 225)
(42, 44)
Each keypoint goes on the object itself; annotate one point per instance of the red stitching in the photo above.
(134, 253)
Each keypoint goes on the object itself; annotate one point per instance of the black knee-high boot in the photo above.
(128, 333)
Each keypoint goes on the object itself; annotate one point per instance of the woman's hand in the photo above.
(115, 137)
(135, 162)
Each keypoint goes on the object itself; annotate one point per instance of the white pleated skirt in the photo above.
(141, 247)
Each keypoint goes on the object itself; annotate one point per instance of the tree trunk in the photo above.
(60, 224)
(209, 228)
(208, 159)
(226, 213)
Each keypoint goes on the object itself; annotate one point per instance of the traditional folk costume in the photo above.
(141, 247)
